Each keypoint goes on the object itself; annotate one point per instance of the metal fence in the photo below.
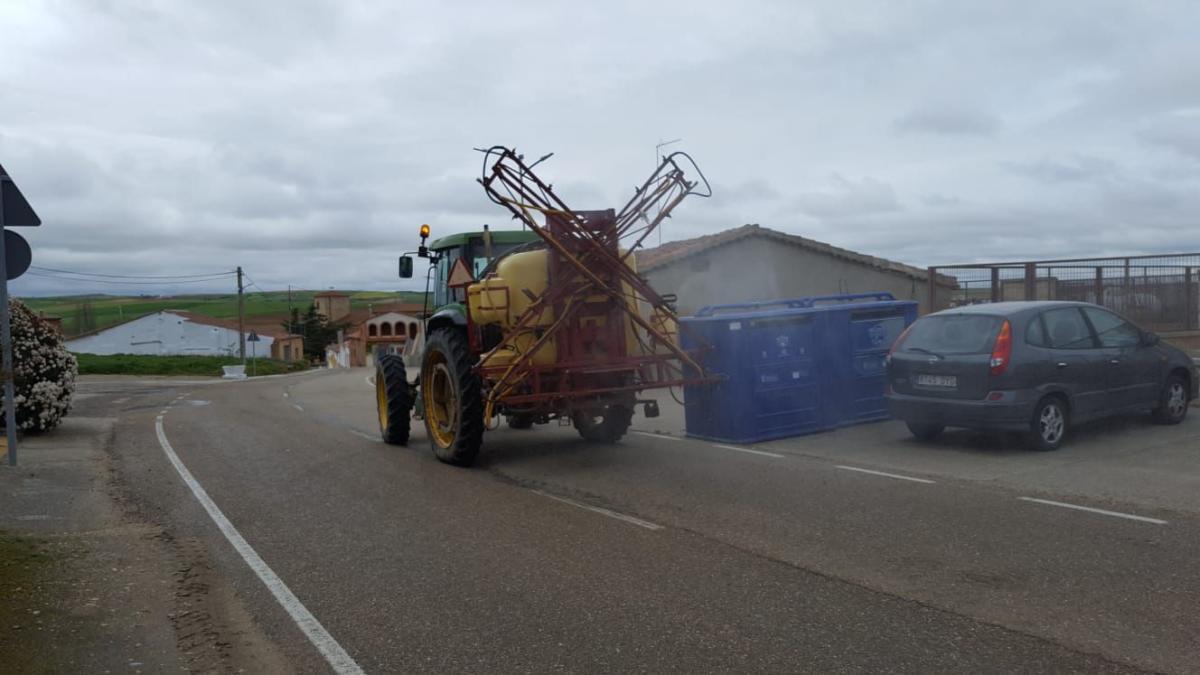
(1159, 292)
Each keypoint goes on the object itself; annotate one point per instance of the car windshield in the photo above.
(953, 334)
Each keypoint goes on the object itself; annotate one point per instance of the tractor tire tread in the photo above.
(390, 367)
(453, 343)
(615, 424)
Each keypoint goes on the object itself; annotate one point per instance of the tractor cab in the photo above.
(474, 248)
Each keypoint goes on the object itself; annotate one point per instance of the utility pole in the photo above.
(20, 215)
(291, 328)
(10, 402)
(241, 317)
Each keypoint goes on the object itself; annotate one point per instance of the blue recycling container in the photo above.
(792, 367)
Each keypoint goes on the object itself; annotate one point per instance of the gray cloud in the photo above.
(1178, 131)
(307, 140)
(1076, 169)
(843, 197)
(947, 120)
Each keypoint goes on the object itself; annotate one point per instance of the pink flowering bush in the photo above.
(43, 370)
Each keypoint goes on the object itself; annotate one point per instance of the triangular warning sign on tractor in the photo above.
(460, 274)
(17, 212)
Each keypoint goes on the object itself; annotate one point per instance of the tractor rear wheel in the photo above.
(393, 399)
(603, 425)
(452, 397)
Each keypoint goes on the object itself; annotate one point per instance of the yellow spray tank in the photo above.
(504, 296)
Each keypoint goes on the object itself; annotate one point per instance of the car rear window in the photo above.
(953, 334)
(1035, 335)
(1067, 329)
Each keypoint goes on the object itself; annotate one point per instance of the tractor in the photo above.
(547, 323)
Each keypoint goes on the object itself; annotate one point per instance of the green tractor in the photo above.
(453, 411)
(551, 322)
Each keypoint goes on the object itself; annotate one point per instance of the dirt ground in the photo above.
(90, 581)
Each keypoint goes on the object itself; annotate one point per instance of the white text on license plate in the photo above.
(946, 381)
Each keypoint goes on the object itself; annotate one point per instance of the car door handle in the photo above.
(1061, 364)
(1115, 361)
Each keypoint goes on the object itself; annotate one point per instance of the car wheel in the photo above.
(925, 431)
(1173, 404)
(1048, 428)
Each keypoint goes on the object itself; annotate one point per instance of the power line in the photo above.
(260, 288)
(132, 276)
(163, 282)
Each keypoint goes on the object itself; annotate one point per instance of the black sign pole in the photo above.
(10, 408)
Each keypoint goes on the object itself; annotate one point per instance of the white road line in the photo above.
(370, 381)
(1089, 509)
(164, 410)
(337, 657)
(663, 436)
(753, 452)
(602, 511)
(299, 407)
(369, 437)
(884, 473)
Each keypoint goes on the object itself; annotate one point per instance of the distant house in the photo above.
(332, 305)
(752, 263)
(382, 328)
(178, 332)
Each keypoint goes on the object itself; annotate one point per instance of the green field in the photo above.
(142, 364)
(81, 313)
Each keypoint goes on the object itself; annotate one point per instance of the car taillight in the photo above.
(899, 341)
(1002, 350)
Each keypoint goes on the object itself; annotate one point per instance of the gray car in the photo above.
(1033, 367)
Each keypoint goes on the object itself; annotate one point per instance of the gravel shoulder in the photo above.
(90, 581)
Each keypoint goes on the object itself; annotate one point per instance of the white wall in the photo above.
(164, 334)
(759, 268)
(337, 356)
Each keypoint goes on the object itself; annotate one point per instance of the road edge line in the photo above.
(654, 435)
(602, 511)
(334, 654)
(885, 474)
(753, 452)
(1089, 509)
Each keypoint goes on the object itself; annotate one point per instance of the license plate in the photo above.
(943, 381)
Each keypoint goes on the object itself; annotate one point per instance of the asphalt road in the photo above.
(668, 554)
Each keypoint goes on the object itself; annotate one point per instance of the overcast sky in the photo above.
(307, 140)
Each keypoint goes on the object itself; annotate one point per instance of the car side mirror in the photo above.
(406, 267)
(1149, 339)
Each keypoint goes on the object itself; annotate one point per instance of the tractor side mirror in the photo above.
(406, 267)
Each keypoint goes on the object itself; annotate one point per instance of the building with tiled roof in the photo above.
(753, 263)
(178, 332)
(381, 328)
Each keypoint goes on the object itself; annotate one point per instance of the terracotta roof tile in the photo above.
(231, 324)
(358, 316)
(671, 252)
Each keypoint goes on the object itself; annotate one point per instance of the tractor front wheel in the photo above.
(452, 398)
(393, 399)
(603, 425)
